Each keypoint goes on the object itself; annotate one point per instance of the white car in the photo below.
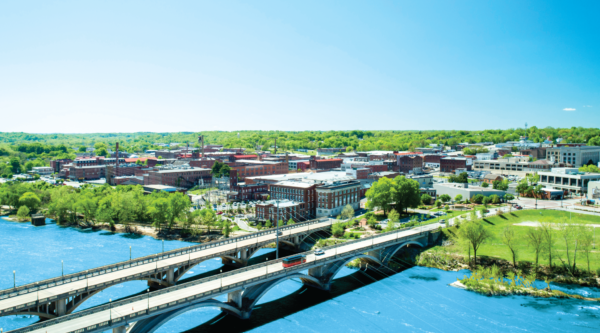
(319, 252)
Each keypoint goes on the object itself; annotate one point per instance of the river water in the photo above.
(415, 300)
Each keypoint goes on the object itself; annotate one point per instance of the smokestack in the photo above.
(201, 139)
(117, 166)
(275, 145)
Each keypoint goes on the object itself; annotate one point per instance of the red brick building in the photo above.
(57, 165)
(284, 210)
(332, 198)
(179, 177)
(325, 164)
(127, 169)
(430, 158)
(374, 167)
(203, 162)
(298, 192)
(87, 172)
(250, 168)
(235, 158)
(450, 164)
(409, 163)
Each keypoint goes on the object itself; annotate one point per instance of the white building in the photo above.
(42, 171)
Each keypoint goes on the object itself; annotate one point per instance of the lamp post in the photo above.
(148, 290)
(163, 246)
(129, 252)
(62, 267)
(15, 279)
(277, 233)
(110, 308)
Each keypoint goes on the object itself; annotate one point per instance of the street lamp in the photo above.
(163, 246)
(277, 233)
(62, 266)
(15, 279)
(129, 252)
(110, 308)
(148, 290)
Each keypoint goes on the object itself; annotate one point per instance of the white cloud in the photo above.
(587, 106)
(568, 109)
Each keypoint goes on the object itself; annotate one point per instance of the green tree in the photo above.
(445, 198)
(268, 224)
(458, 198)
(23, 213)
(393, 216)
(101, 152)
(477, 198)
(30, 200)
(160, 211)
(508, 197)
(426, 199)
(337, 229)
(438, 203)
(474, 233)
(347, 212)
(178, 204)
(522, 187)
(15, 165)
(290, 222)
(82, 149)
(501, 185)
(535, 239)
(380, 195)
(495, 199)
(511, 240)
(485, 185)
(406, 193)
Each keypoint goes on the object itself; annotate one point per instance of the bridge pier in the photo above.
(375, 253)
(320, 273)
(171, 276)
(61, 307)
(120, 329)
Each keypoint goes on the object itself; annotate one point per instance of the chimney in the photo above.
(275, 145)
(117, 155)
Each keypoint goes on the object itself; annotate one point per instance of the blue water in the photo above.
(415, 300)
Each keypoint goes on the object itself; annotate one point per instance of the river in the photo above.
(415, 300)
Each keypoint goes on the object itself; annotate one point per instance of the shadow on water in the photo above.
(132, 236)
(303, 298)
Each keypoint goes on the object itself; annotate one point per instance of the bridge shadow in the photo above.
(302, 299)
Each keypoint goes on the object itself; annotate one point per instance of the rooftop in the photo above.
(294, 184)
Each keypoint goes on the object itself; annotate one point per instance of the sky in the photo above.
(168, 66)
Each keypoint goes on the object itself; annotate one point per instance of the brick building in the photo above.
(298, 192)
(179, 176)
(235, 158)
(324, 164)
(57, 165)
(284, 210)
(333, 197)
(86, 172)
(408, 163)
(450, 164)
(206, 162)
(431, 158)
(250, 168)
(126, 169)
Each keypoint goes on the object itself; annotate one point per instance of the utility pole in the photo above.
(277, 231)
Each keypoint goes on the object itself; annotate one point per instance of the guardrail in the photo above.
(57, 281)
(114, 321)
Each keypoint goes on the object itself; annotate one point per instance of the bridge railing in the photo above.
(221, 290)
(57, 281)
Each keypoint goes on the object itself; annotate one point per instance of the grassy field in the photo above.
(496, 249)
(202, 191)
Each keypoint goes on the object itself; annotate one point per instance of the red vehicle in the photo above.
(293, 261)
(219, 213)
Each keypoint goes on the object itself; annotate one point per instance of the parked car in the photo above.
(319, 252)
(442, 221)
(219, 213)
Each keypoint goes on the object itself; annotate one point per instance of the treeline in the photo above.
(355, 139)
(105, 204)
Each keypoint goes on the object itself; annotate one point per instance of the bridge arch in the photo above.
(150, 325)
(391, 251)
(253, 294)
(334, 268)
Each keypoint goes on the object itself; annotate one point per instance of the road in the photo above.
(89, 281)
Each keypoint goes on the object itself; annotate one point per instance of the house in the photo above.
(491, 178)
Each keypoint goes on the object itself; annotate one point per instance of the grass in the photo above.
(496, 249)
(202, 190)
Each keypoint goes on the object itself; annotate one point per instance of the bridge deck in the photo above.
(112, 275)
(131, 310)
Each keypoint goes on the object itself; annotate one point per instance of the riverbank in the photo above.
(491, 282)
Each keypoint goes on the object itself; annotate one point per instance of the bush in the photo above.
(337, 229)
(23, 213)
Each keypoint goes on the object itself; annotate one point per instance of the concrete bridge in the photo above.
(63, 295)
(244, 287)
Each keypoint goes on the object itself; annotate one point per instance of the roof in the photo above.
(245, 156)
(409, 153)
(143, 159)
(329, 159)
(492, 176)
(294, 184)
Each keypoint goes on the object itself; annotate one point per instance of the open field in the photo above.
(496, 249)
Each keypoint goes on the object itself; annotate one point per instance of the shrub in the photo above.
(23, 213)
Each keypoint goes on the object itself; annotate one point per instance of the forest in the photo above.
(39, 149)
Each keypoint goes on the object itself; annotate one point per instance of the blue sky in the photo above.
(124, 66)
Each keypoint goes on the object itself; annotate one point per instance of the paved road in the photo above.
(243, 224)
(188, 290)
(125, 271)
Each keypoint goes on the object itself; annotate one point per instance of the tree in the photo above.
(463, 177)
(549, 239)
(426, 199)
(30, 200)
(15, 165)
(159, 210)
(438, 203)
(393, 216)
(347, 212)
(537, 191)
(290, 222)
(535, 239)
(458, 198)
(495, 199)
(485, 185)
(337, 229)
(23, 213)
(445, 198)
(380, 195)
(268, 224)
(178, 204)
(477, 198)
(406, 193)
(568, 234)
(82, 149)
(522, 187)
(586, 239)
(508, 197)
(501, 185)
(280, 223)
(475, 234)
(225, 169)
(510, 239)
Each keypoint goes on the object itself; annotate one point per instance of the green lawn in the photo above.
(202, 190)
(495, 248)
